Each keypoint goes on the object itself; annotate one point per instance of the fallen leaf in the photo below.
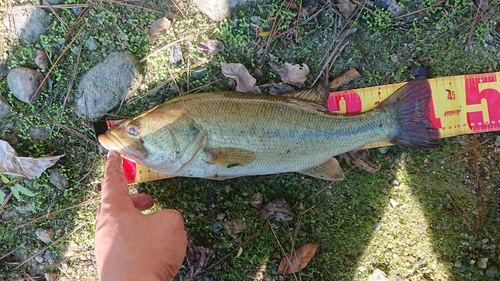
(210, 47)
(344, 79)
(291, 74)
(278, 88)
(297, 260)
(41, 59)
(263, 33)
(360, 159)
(159, 27)
(236, 226)
(198, 258)
(346, 8)
(23, 166)
(278, 209)
(244, 81)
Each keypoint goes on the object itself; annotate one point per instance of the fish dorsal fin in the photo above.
(328, 170)
(317, 94)
(230, 157)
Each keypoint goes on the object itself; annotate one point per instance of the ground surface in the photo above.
(426, 215)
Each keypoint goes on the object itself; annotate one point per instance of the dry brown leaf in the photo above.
(235, 226)
(346, 8)
(297, 260)
(23, 166)
(291, 74)
(198, 258)
(360, 159)
(244, 81)
(210, 47)
(159, 27)
(277, 209)
(41, 59)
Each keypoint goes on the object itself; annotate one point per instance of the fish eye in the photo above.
(133, 129)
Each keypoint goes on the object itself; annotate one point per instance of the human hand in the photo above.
(130, 245)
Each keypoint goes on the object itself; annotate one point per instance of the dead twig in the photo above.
(466, 150)
(281, 247)
(85, 203)
(161, 85)
(238, 247)
(50, 245)
(15, 249)
(26, 7)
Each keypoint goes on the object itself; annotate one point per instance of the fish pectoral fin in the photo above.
(230, 156)
(328, 170)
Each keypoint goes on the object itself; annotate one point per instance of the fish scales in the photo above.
(228, 134)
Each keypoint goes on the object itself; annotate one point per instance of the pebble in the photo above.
(23, 83)
(51, 276)
(92, 44)
(384, 4)
(378, 275)
(77, 11)
(175, 54)
(217, 228)
(44, 235)
(58, 179)
(39, 133)
(49, 255)
(497, 141)
(4, 109)
(39, 259)
(491, 271)
(394, 203)
(395, 182)
(482, 263)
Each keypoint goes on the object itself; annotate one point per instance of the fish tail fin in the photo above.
(410, 107)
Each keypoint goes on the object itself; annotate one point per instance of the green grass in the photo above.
(439, 230)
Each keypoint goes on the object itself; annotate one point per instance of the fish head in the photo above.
(147, 139)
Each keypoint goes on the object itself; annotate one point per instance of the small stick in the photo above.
(50, 245)
(344, 79)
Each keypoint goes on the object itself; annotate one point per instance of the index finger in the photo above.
(114, 190)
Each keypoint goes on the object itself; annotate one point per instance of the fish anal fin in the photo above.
(230, 157)
(328, 170)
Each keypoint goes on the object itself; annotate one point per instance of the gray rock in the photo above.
(4, 109)
(175, 54)
(27, 24)
(51, 276)
(54, 2)
(77, 10)
(38, 259)
(491, 271)
(377, 275)
(58, 179)
(23, 83)
(39, 133)
(217, 10)
(92, 44)
(482, 263)
(49, 255)
(104, 86)
(44, 235)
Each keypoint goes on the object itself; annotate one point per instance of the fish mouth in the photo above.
(110, 142)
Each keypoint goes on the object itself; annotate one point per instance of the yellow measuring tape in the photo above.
(462, 104)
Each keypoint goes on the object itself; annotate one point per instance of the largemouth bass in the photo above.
(229, 134)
